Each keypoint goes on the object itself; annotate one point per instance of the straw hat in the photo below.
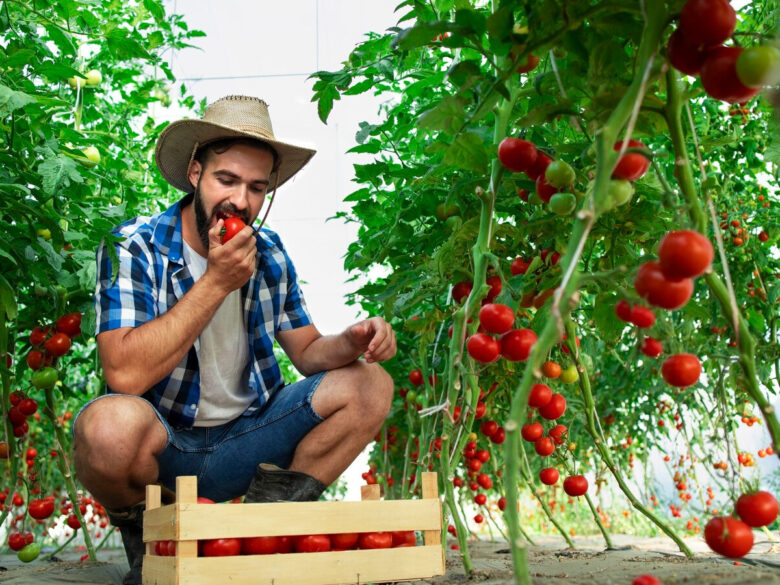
(236, 116)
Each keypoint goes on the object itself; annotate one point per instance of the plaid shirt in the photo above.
(153, 277)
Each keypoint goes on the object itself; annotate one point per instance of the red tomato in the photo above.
(404, 538)
(544, 189)
(707, 22)
(684, 254)
(171, 551)
(646, 580)
(516, 344)
(161, 548)
(555, 408)
(719, 76)
(496, 318)
(681, 369)
(499, 436)
(57, 345)
(483, 479)
(344, 541)
(480, 499)
(631, 166)
(728, 536)
(38, 335)
(575, 485)
(544, 446)
(651, 347)
(483, 455)
(311, 543)
(285, 544)
(28, 406)
(538, 168)
(642, 317)
(519, 266)
(479, 412)
(651, 284)
(684, 56)
(416, 377)
(483, 348)
(517, 155)
(549, 476)
(558, 432)
(461, 290)
(220, 547)
(16, 541)
(757, 509)
(376, 540)
(502, 503)
(70, 324)
(35, 359)
(495, 287)
(488, 428)
(259, 545)
(539, 396)
(40, 509)
(623, 310)
(73, 521)
(232, 226)
(531, 431)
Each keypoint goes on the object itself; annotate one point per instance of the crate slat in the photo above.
(327, 568)
(159, 570)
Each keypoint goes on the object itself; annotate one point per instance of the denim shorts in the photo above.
(224, 457)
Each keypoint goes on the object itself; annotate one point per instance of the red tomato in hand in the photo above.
(404, 538)
(757, 509)
(516, 154)
(233, 225)
(681, 369)
(376, 540)
(259, 545)
(496, 318)
(483, 348)
(660, 291)
(516, 344)
(575, 485)
(221, 547)
(631, 166)
(70, 324)
(57, 345)
(312, 543)
(344, 541)
(728, 536)
(684, 254)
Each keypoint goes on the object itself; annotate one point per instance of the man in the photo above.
(185, 331)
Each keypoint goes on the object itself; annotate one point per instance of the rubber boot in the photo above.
(274, 484)
(130, 522)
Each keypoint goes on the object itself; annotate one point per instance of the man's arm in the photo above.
(311, 352)
(136, 358)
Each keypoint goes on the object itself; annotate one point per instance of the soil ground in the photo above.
(551, 563)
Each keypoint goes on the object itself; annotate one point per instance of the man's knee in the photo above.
(377, 392)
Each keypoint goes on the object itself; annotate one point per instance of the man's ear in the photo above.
(193, 172)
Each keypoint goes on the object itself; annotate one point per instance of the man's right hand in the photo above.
(230, 265)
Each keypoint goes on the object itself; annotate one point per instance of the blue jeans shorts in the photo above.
(224, 457)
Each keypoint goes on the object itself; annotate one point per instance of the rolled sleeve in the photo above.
(295, 313)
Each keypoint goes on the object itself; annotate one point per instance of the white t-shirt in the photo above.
(223, 357)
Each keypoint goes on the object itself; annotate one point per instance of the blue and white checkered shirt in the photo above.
(153, 277)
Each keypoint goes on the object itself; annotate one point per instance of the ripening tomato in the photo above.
(651, 284)
(684, 56)
(403, 538)
(531, 431)
(539, 396)
(516, 154)
(728, 536)
(461, 290)
(232, 226)
(681, 369)
(57, 345)
(516, 344)
(575, 485)
(651, 347)
(719, 76)
(555, 408)
(259, 545)
(560, 174)
(531, 62)
(684, 254)
(376, 540)
(757, 509)
(69, 324)
(496, 318)
(631, 166)
(483, 348)
(707, 22)
(551, 369)
(544, 446)
(549, 476)
(220, 547)
(642, 317)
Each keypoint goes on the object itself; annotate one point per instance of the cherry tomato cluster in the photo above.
(22, 407)
(52, 341)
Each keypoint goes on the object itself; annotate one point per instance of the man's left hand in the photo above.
(374, 338)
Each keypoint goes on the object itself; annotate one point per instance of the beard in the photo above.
(203, 219)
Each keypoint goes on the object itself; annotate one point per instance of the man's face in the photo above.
(233, 183)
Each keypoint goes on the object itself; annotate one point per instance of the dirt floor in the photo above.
(550, 564)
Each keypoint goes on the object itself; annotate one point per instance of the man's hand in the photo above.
(374, 338)
(230, 265)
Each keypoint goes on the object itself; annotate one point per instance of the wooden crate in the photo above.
(186, 522)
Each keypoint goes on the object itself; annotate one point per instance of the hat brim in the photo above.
(175, 144)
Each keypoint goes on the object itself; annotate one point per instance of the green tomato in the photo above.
(560, 174)
(45, 378)
(92, 155)
(445, 211)
(75, 82)
(411, 396)
(94, 77)
(570, 375)
(453, 223)
(563, 203)
(45, 233)
(620, 191)
(29, 553)
(759, 66)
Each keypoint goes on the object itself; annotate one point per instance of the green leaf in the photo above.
(58, 171)
(472, 19)
(468, 152)
(11, 100)
(8, 299)
(119, 42)
(420, 34)
(500, 23)
(448, 115)
(606, 321)
(325, 100)
(546, 113)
